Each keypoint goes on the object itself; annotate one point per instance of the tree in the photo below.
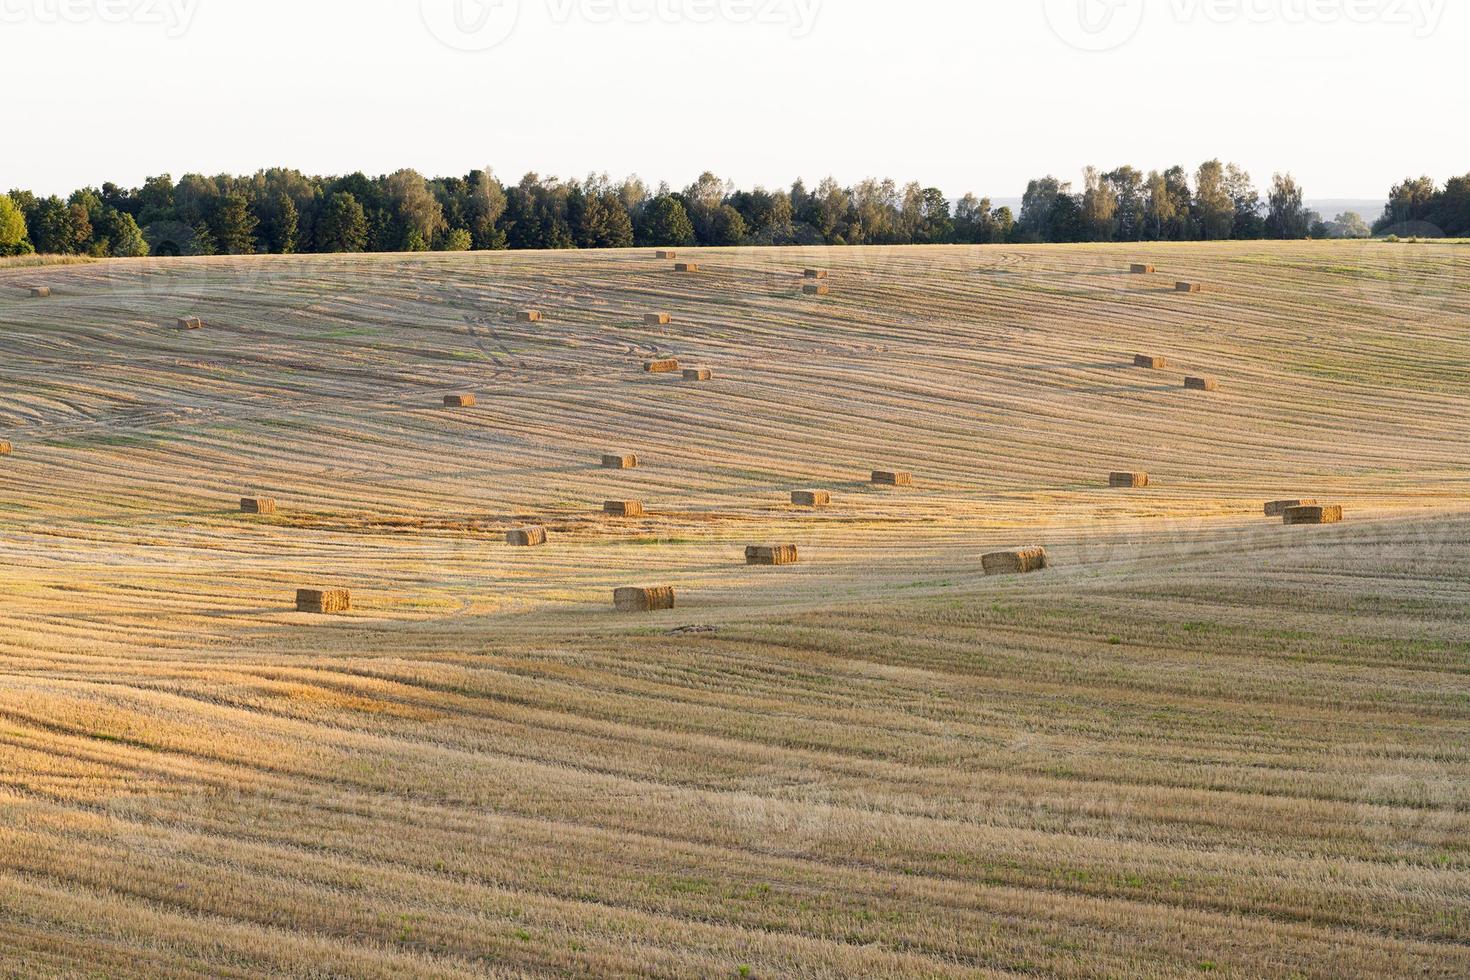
(457, 240)
(1242, 190)
(57, 228)
(418, 218)
(1348, 225)
(1286, 216)
(1127, 187)
(484, 206)
(1213, 208)
(1099, 207)
(665, 222)
(12, 228)
(281, 225)
(1037, 204)
(234, 225)
(343, 226)
(727, 227)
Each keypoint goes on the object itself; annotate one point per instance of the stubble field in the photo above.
(1201, 743)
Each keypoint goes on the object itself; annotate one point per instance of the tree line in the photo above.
(284, 211)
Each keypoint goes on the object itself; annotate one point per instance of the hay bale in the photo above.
(815, 273)
(817, 289)
(893, 478)
(1278, 508)
(811, 498)
(667, 365)
(40, 292)
(190, 323)
(657, 319)
(257, 505)
(686, 267)
(698, 374)
(526, 537)
(323, 601)
(1202, 384)
(1150, 361)
(459, 401)
(624, 461)
(643, 600)
(1313, 514)
(529, 316)
(1188, 287)
(781, 554)
(5, 449)
(1017, 562)
(1139, 269)
(666, 253)
(623, 508)
(1130, 480)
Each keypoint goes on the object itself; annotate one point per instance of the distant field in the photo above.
(1203, 743)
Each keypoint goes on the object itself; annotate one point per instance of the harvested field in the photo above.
(1199, 744)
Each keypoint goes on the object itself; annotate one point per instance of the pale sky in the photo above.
(966, 95)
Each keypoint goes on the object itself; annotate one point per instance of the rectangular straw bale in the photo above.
(642, 600)
(529, 316)
(1150, 361)
(190, 323)
(781, 554)
(526, 537)
(623, 508)
(257, 505)
(1127, 479)
(697, 374)
(1313, 514)
(811, 498)
(624, 461)
(665, 253)
(893, 478)
(667, 365)
(1278, 508)
(1188, 287)
(686, 267)
(1202, 384)
(5, 448)
(657, 319)
(40, 292)
(1139, 269)
(1016, 562)
(459, 401)
(815, 274)
(323, 601)
(817, 289)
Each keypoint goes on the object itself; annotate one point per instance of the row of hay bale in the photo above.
(1143, 269)
(1153, 362)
